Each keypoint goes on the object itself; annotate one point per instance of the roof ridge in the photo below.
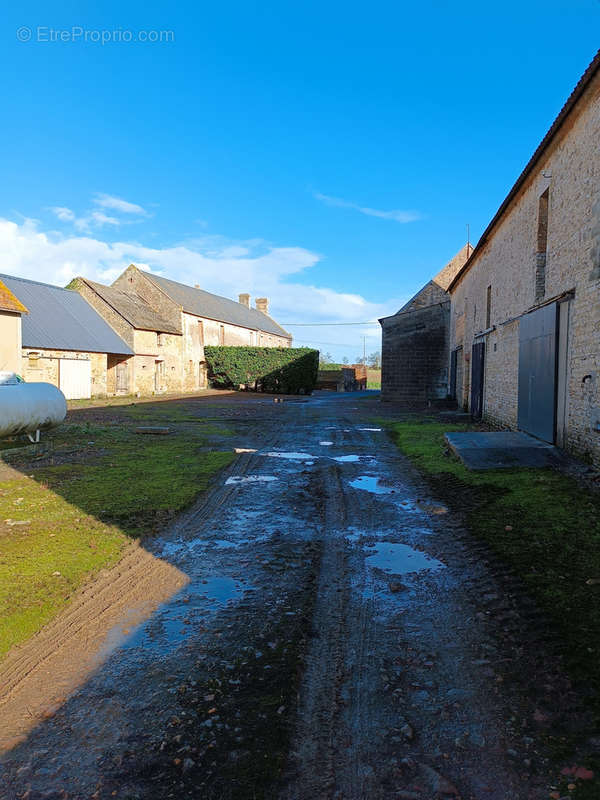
(569, 104)
(37, 283)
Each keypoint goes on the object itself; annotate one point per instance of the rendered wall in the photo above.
(10, 342)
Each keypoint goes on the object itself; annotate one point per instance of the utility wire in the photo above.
(323, 324)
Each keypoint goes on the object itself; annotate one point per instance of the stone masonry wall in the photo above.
(570, 170)
(414, 357)
(46, 367)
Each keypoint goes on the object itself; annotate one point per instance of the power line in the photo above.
(323, 324)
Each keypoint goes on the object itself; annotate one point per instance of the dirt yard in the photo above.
(324, 629)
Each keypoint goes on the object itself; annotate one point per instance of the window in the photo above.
(221, 334)
(542, 234)
(201, 332)
(542, 246)
(488, 307)
(161, 339)
(33, 360)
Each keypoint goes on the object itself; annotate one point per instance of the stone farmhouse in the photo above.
(525, 318)
(11, 310)
(63, 341)
(167, 324)
(415, 343)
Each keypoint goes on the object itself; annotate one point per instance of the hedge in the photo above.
(285, 370)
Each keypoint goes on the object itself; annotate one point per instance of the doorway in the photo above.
(538, 338)
(477, 379)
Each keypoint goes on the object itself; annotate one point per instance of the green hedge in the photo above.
(285, 370)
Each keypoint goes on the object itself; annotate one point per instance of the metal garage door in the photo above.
(75, 378)
(537, 373)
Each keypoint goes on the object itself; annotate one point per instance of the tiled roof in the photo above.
(8, 301)
(132, 308)
(60, 319)
(211, 306)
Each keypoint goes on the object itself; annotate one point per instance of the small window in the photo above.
(201, 332)
(161, 339)
(542, 232)
(488, 307)
(33, 360)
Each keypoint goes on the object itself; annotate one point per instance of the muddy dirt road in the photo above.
(332, 633)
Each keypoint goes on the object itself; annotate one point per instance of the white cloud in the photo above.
(118, 204)
(63, 213)
(397, 215)
(218, 266)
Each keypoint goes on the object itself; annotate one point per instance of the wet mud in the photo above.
(331, 631)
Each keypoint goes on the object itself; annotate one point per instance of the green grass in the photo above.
(109, 486)
(541, 523)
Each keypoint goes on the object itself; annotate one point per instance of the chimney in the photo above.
(262, 304)
(245, 300)
(197, 286)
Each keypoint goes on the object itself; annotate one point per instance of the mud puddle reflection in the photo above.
(400, 559)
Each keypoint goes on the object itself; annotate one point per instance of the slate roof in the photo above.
(211, 306)
(60, 319)
(132, 308)
(8, 302)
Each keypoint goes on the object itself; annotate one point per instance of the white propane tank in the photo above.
(29, 407)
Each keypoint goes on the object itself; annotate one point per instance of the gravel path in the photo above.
(408, 664)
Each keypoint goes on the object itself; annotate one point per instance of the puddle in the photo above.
(291, 456)
(373, 430)
(170, 625)
(352, 459)
(326, 444)
(400, 559)
(220, 590)
(233, 479)
(244, 450)
(309, 463)
(371, 484)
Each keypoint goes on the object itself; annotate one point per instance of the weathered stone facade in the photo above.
(196, 332)
(543, 247)
(44, 366)
(415, 342)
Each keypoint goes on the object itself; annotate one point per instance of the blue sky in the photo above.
(328, 155)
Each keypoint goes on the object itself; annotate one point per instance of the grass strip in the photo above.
(72, 514)
(542, 523)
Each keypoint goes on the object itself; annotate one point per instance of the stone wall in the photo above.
(157, 365)
(44, 366)
(134, 281)
(414, 357)
(509, 263)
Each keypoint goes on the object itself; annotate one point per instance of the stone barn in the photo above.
(64, 340)
(415, 341)
(525, 328)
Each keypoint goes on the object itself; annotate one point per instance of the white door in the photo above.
(75, 378)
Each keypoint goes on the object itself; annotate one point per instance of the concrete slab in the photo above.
(502, 450)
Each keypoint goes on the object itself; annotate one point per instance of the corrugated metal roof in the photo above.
(8, 302)
(211, 306)
(60, 319)
(132, 308)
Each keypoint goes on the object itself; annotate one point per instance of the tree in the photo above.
(360, 360)
(325, 359)
(374, 360)
(345, 360)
